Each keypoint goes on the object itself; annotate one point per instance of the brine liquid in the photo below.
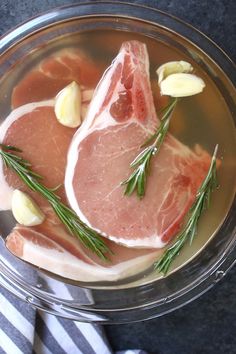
(203, 119)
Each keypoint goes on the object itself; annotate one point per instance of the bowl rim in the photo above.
(23, 30)
(22, 27)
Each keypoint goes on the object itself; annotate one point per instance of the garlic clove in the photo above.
(25, 210)
(182, 85)
(68, 105)
(173, 67)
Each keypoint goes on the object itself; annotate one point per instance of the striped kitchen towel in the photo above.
(24, 330)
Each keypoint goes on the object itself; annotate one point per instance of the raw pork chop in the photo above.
(33, 128)
(50, 247)
(120, 117)
(53, 74)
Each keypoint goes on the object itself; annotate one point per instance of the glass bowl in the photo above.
(149, 295)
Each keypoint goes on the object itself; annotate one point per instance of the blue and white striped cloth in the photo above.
(24, 330)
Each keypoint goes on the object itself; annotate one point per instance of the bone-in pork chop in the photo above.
(120, 117)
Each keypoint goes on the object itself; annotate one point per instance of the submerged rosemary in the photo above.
(189, 230)
(137, 180)
(89, 238)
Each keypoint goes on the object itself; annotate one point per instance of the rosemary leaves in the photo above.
(89, 237)
(189, 230)
(137, 180)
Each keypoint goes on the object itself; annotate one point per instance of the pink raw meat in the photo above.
(34, 128)
(50, 246)
(53, 74)
(120, 117)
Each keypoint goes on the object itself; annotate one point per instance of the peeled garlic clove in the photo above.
(173, 67)
(181, 85)
(25, 210)
(68, 106)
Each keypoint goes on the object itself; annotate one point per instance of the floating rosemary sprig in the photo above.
(137, 180)
(189, 230)
(89, 238)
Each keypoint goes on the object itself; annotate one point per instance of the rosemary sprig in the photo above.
(189, 230)
(137, 180)
(89, 238)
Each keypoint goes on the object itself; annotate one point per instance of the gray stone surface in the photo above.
(207, 325)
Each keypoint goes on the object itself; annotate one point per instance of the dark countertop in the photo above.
(208, 324)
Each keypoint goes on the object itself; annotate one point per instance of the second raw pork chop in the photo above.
(120, 117)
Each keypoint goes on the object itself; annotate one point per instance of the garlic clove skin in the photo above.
(182, 85)
(68, 105)
(173, 67)
(25, 210)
